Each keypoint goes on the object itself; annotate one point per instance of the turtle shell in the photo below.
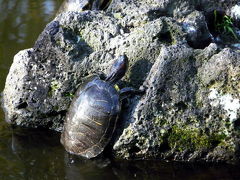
(91, 119)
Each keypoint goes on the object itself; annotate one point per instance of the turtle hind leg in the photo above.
(129, 91)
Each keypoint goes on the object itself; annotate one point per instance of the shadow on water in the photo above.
(29, 154)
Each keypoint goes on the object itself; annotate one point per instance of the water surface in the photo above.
(21, 21)
(31, 154)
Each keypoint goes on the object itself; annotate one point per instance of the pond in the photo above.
(37, 154)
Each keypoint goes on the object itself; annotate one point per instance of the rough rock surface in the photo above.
(191, 108)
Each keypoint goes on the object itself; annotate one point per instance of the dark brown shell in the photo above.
(91, 119)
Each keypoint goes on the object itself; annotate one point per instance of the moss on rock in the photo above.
(183, 139)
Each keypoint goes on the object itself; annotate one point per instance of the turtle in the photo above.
(93, 113)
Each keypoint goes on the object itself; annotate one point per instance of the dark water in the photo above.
(37, 154)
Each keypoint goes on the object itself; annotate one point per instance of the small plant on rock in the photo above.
(225, 25)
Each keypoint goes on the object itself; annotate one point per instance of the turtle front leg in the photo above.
(129, 91)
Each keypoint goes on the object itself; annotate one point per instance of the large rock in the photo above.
(41, 80)
(190, 110)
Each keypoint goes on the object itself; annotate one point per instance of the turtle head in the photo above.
(118, 69)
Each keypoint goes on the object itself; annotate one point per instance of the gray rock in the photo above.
(190, 110)
(223, 5)
(198, 35)
(73, 5)
(71, 47)
(82, 5)
(234, 12)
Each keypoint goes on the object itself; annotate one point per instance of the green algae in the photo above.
(53, 88)
(183, 139)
